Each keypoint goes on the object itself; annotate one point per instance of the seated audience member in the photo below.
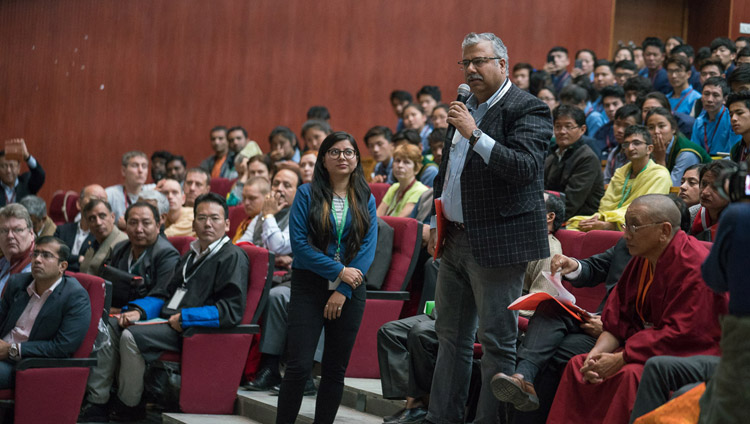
(538, 80)
(159, 201)
(623, 53)
(16, 242)
(656, 99)
(399, 100)
(177, 168)
(712, 203)
(574, 95)
(319, 112)
(549, 97)
(624, 70)
(711, 68)
(42, 224)
(401, 197)
(379, 141)
(739, 79)
(235, 192)
(672, 149)
(143, 254)
(253, 195)
(724, 50)
(429, 169)
(59, 331)
(101, 220)
(407, 348)
(571, 167)
(179, 220)
(638, 57)
(260, 166)
(197, 182)
(314, 132)
(428, 97)
(557, 67)
(76, 234)
(237, 139)
(624, 117)
(712, 129)
(521, 74)
(687, 52)
(439, 117)
(653, 56)
(588, 61)
(134, 173)
(690, 191)
(683, 95)
(636, 88)
(741, 42)
(416, 119)
(676, 315)
(213, 295)
(671, 43)
(15, 185)
(437, 141)
(604, 76)
(221, 163)
(743, 56)
(612, 99)
(739, 118)
(284, 145)
(307, 165)
(638, 177)
(159, 161)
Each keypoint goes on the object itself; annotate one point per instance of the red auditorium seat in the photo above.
(181, 243)
(62, 208)
(221, 186)
(378, 190)
(236, 215)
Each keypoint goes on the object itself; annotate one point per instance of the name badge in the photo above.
(174, 303)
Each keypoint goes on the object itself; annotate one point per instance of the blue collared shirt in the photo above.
(451, 195)
(683, 161)
(388, 171)
(715, 136)
(684, 103)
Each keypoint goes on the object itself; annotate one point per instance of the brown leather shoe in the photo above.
(515, 390)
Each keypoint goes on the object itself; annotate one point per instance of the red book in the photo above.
(530, 301)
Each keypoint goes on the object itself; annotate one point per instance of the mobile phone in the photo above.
(550, 58)
(579, 65)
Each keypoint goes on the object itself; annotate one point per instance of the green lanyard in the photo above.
(626, 189)
(340, 228)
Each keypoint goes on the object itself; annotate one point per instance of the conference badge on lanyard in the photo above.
(340, 229)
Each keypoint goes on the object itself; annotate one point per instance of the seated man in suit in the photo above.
(101, 219)
(16, 242)
(43, 224)
(16, 186)
(76, 234)
(207, 289)
(43, 314)
(253, 196)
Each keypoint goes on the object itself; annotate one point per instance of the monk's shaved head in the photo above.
(660, 208)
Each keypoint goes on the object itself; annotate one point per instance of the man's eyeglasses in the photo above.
(478, 62)
(17, 231)
(45, 255)
(632, 229)
(336, 153)
(636, 144)
(213, 218)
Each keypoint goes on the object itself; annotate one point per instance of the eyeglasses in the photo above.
(478, 62)
(45, 255)
(632, 229)
(634, 143)
(213, 218)
(336, 153)
(16, 231)
(568, 128)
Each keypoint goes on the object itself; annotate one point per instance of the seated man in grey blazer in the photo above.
(101, 220)
(43, 314)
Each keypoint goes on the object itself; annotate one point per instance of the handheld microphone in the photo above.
(463, 95)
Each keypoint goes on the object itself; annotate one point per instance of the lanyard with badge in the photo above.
(187, 274)
(340, 229)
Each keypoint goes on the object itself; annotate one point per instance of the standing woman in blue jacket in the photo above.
(333, 231)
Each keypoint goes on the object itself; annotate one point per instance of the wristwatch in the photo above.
(475, 135)
(13, 351)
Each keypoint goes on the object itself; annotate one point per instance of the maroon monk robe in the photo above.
(683, 313)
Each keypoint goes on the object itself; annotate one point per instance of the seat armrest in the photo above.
(55, 363)
(387, 295)
(240, 329)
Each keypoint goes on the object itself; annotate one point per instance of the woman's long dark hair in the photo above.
(321, 196)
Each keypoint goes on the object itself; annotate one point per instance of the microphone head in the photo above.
(464, 90)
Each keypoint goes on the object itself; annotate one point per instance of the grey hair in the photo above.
(130, 155)
(35, 205)
(161, 200)
(498, 47)
(14, 210)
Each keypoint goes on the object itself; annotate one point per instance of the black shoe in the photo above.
(310, 389)
(123, 413)
(414, 416)
(393, 419)
(93, 413)
(264, 381)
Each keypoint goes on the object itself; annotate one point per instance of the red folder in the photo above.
(441, 225)
(530, 301)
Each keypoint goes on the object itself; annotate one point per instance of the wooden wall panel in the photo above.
(740, 12)
(637, 19)
(86, 80)
(707, 21)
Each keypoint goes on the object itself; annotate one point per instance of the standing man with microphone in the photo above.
(491, 188)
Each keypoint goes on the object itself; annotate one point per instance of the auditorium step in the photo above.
(174, 418)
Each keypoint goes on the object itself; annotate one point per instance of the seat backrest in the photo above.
(95, 287)
(221, 186)
(181, 243)
(258, 282)
(378, 190)
(62, 208)
(236, 215)
(570, 242)
(407, 240)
